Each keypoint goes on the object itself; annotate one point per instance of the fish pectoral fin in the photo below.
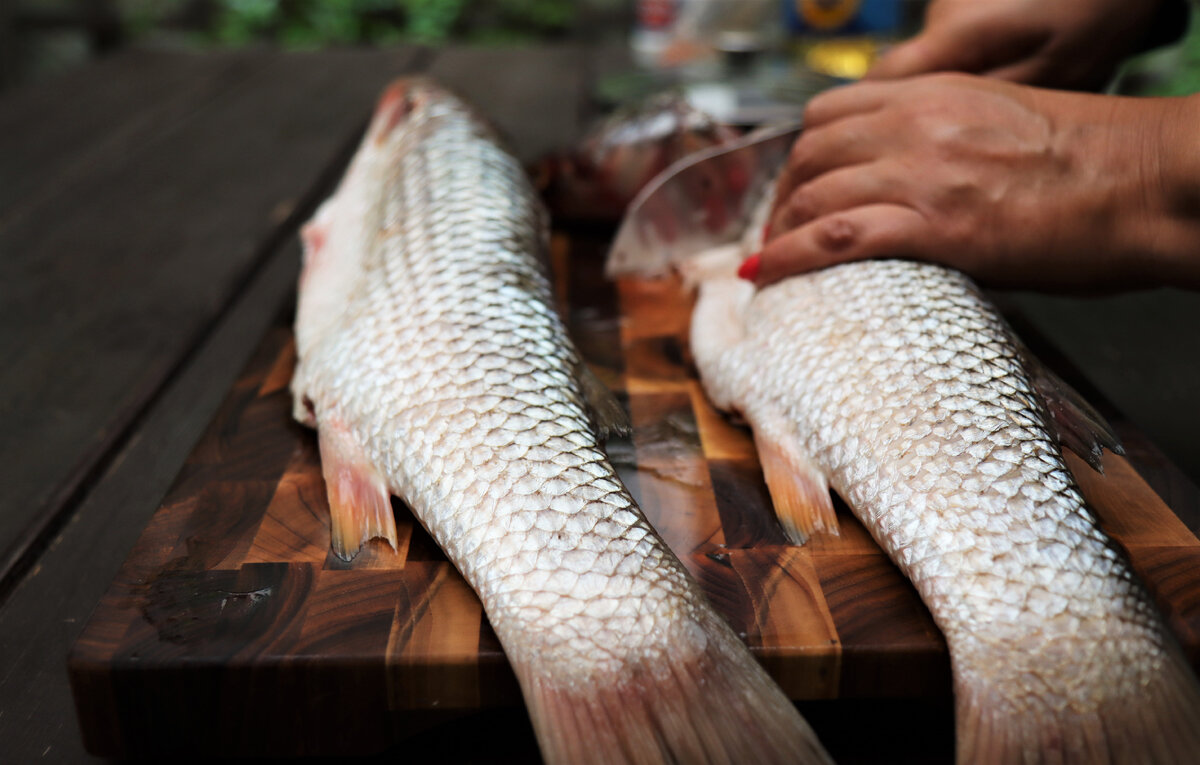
(1080, 427)
(360, 506)
(799, 490)
(608, 416)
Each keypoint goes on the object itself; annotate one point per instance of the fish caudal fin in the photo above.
(798, 489)
(1159, 724)
(714, 705)
(360, 505)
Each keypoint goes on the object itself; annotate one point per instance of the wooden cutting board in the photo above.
(231, 627)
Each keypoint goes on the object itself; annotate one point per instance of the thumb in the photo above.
(917, 56)
(935, 50)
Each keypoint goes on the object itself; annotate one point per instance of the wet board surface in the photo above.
(232, 628)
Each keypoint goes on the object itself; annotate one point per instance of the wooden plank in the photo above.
(48, 607)
(170, 229)
(772, 597)
(46, 611)
(57, 132)
(1140, 351)
(1046, 321)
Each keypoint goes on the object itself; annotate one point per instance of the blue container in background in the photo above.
(843, 17)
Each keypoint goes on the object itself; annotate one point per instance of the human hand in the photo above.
(1072, 44)
(1013, 185)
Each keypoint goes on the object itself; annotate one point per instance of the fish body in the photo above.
(899, 386)
(433, 365)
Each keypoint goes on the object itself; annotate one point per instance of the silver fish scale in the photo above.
(471, 407)
(906, 389)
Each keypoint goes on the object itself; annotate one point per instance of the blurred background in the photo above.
(39, 38)
(740, 61)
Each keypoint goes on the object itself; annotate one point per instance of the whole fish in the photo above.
(897, 384)
(434, 367)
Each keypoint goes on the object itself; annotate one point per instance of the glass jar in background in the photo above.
(692, 33)
(699, 37)
(751, 61)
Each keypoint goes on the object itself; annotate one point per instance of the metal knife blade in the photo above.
(701, 201)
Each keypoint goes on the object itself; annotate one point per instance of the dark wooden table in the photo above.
(148, 211)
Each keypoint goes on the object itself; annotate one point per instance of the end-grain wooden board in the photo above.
(231, 628)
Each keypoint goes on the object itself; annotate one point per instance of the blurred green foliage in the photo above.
(1170, 71)
(317, 23)
(1174, 70)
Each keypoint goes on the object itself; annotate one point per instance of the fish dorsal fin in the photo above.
(360, 506)
(608, 416)
(799, 490)
(1080, 427)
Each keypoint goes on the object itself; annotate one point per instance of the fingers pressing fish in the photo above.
(899, 386)
(434, 368)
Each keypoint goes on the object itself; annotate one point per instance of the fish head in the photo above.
(401, 102)
(341, 237)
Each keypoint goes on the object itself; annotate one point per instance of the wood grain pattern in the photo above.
(232, 590)
(119, 263)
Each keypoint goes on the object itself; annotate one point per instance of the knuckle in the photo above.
(957, 191)
(815, 109)
(802, 205)
(800, 154)
(838, 234)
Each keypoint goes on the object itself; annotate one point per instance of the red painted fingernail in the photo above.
(750, 267)
(766, 231)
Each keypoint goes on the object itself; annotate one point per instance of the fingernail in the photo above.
(766, 231)
(750, 267)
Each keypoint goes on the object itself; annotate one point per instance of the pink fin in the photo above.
(798, 489)
(313, 234)
(360, 506)
(714, 705)
(395, 103)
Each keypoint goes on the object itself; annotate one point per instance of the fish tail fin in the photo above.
(799, 490)
(360, 505)
(1158, 723)
(713, 705)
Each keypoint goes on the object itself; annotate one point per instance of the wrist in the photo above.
(1182, 146)
(1172, 176)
